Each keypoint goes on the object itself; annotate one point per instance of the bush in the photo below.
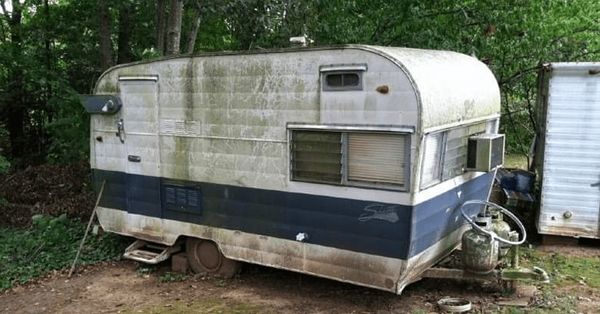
(69, 131)
(4, 165)
(50, 244)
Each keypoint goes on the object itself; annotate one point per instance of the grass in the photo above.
(518, 161)
(50, 244)
(548, 303)
(208, 305)
(565, 269)
(172, 277)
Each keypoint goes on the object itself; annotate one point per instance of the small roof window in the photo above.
(342, 77)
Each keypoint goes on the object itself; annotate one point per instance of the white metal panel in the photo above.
(376, 157)
(570, 198)
(109, 154)
(368, 106)
(140, 118)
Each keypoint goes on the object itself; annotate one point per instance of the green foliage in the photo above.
(172, 277)
(4, 165)
(146, 269)
(565, 268)
(50, 244)
(67, 131)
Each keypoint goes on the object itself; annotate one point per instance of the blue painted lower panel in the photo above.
(384, 229)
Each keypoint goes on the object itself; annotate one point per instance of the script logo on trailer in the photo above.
(381, 212)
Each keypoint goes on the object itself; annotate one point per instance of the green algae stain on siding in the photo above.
(181, 160)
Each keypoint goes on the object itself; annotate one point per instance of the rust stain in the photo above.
(146, 236)
(565, 230)
(383, 89)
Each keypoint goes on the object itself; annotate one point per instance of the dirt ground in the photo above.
(125, 287)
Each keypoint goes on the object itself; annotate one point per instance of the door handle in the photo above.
(121, 130)
(595, 184)
(134, 158)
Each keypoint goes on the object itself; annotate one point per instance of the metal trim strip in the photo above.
(153, 78)
(357, 127)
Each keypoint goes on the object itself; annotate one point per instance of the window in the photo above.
(455, 156)
(431, 160)
(350, 158)
(317, 156)
(342, 81)
(445, 153)
(376, 158)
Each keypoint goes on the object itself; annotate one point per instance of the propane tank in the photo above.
(502, 229)
(479, 251)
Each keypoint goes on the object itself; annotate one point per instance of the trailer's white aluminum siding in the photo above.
(570, 197)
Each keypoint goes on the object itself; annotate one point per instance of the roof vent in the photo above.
(300, 41)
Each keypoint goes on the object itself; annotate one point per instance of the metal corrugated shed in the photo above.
(570, 150)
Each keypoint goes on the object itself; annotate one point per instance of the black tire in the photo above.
(204, 256)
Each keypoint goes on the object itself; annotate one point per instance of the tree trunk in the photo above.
(160, 26)
(16, 107)
(49, 59)
(174, 29)
(106, 60)
(123, 51)
(193, 34)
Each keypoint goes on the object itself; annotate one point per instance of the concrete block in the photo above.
(179, 263)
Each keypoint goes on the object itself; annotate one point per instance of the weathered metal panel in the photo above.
(348, 266)
(451, 87)
(570, 197)
(250, 97)
(140, 121)
(223, 119)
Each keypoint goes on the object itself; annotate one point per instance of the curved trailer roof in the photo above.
(451, 88)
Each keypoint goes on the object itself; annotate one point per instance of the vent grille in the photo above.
(181, 198)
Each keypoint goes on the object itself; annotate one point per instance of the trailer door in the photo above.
(570, 197)
(139, 133)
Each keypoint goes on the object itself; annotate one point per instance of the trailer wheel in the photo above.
(204, 256)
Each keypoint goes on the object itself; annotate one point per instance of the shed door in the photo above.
(140, 123)
(570, 203)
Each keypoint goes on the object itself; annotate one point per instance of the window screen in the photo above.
(349, 158)
(317, 156)
(340, 81)
(376, 158)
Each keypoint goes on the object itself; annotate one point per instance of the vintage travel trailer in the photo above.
(347, 162)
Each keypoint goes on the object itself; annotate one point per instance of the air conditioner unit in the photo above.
(485, 152)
